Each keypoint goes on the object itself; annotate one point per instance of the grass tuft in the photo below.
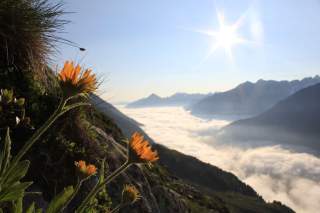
(29, 32)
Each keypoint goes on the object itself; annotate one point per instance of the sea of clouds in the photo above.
(273, 171)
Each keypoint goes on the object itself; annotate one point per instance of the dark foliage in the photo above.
(28, 32)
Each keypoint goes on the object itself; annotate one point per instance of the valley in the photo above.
(274, 171)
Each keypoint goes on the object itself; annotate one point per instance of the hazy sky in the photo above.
(156, 46)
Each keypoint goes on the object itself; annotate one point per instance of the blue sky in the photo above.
(152, 46)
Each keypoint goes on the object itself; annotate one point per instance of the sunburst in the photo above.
(226, 37)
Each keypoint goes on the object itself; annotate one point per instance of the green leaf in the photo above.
(39, 210)
(7, 95)
(21, 101)
(101, 173)
(17, 208)
(31, 208)
(5, 155)
(58, 202)
(17, 173)
(14, 192)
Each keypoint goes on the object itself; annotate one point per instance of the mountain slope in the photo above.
(209, 180)
(177, 184)
(88, 134)
(249, 99)
(178, 99)
(294, 121)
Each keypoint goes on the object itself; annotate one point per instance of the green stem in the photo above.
(116, 209)
(115, 174)
(101, 185)
(39, 132)
(35, 136)
(72, 106)
(76, 190)
(62, 108)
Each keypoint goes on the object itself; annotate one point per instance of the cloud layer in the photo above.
(273, 171)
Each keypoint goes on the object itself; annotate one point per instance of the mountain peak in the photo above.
(261, 80)
(177, 99)
(153, 95)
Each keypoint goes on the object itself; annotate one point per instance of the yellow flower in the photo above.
(140, 150)
(84, 169)
(130, 194)
(74, 80)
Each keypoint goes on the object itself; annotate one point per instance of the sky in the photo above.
(166, 46)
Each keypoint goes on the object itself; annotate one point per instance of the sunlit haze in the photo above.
(155, 46)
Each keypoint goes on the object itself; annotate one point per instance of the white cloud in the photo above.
(273, 171)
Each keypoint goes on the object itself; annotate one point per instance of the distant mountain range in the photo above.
(294, 121)
(248, 99)
(178, 99)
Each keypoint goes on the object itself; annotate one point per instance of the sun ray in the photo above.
(225, 37)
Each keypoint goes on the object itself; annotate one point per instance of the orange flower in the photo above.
(140, 150)
(86, 170)
(81, 165)
(91, 169)
(74, 81)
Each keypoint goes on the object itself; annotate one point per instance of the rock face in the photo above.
(178, 99)
(293, 121)
(250, 99)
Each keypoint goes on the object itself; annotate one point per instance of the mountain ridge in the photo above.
(293, 121)
(249, 99)
(177, 99)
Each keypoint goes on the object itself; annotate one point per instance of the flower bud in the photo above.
(130, 194)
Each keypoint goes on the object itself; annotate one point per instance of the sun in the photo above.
(225, 37)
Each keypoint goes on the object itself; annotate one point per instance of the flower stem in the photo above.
(116, 209)
(40, 131)
(101, 185)
(62, 108)
(76, 190)
(35, 137)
